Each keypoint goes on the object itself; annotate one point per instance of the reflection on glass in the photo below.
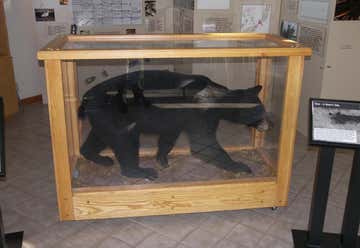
(162, 126)
(170, 44)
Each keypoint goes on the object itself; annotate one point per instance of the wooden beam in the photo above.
(31, 100)
(4, 40)
(288, 126)
(8, 86)
(60, 146)
(113, 202)
(166, 37)
(71, 97)
(172, 53)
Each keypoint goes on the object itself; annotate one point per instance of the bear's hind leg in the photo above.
(91, 149)
(166, 143)
(224, 161)
(214, 153)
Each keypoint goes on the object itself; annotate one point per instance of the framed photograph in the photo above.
(335, 123)
(2, 140)
(64, 2)
(289, 30)
(44, 15)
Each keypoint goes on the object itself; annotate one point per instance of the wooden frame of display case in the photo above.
(160, 199)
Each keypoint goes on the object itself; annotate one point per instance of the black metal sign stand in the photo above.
(11, 240)
(315, 238)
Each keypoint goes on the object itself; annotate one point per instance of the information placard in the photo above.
(335, 122)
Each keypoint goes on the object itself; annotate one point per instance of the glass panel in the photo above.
(178, 120)
(170, 44)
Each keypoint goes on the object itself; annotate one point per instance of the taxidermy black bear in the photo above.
(195, 107)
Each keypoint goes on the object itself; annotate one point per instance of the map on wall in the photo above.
(107, 12)
(255, 18)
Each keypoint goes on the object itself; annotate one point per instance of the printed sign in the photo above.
(110, 12)
(217, 24)
(314, 10)
(213, 4)
(313, 37)
(334, 122)
(45, 15)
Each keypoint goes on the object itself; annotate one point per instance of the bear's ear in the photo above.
(255, 90)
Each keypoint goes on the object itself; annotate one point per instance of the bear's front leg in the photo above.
(123, 139)
(126, 148)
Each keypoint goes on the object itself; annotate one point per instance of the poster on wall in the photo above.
(183, 21)
(150, 8)
(184, 4)
(291, 8)
(255, 18)
(213, 4)
(313, 37)
(155, 25)
(44, 15)
(58, 29)
(314, 10)
(334, 122)
(217, 24)
(289, 30)
(347, 10)
(110, 12)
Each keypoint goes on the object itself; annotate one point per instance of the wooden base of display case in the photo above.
(163, 199)
(175, 198)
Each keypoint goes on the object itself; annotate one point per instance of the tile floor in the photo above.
(28, 201)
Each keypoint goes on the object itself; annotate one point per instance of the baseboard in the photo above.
(31, 100)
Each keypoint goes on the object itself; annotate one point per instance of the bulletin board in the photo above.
(111, 12)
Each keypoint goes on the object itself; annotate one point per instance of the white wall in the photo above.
(23, 46)
(239, 72)
(341, 80)
(313, 71)
(333, 75)
(27, 36)
(63, 15)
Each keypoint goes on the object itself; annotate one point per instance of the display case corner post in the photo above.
(61, 155)
(288, 126)
(71, 98)
(263, 72)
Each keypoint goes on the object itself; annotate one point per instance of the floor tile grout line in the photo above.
(157, 231)
(226, 235)
(196, 228)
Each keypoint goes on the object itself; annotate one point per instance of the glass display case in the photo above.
(184, 123)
